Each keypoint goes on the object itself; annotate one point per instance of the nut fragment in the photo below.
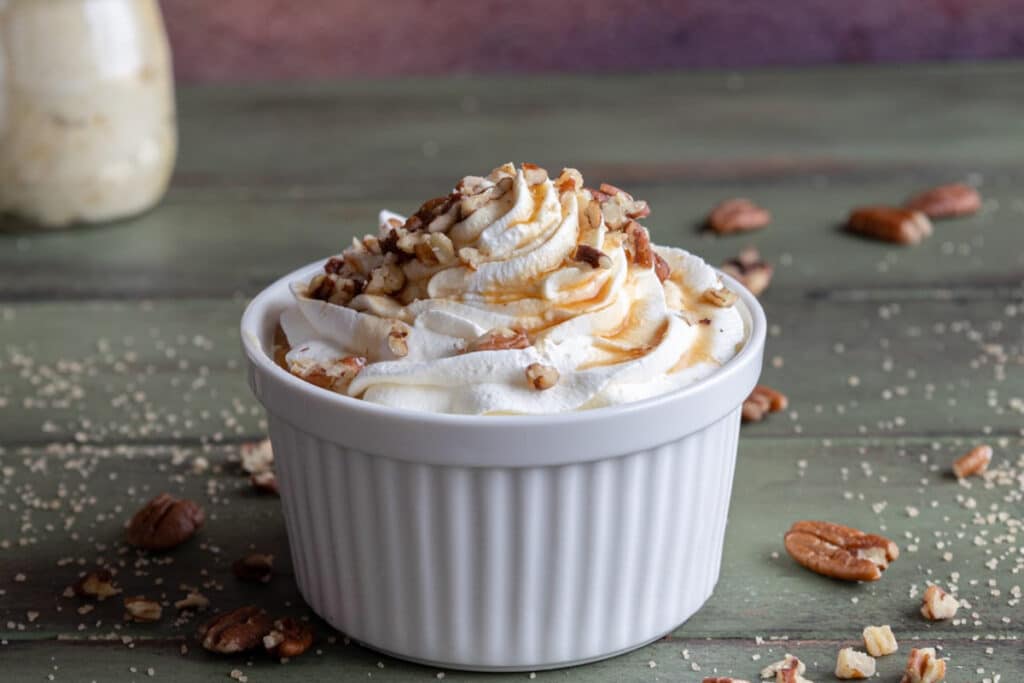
(638, 245)
(879, 640)
(534, 174)
(751, 270)
(165, 522)
(890, 224)
(335, 375)
(254, 567)
(738, 215)
(265, 482)
(386, 278)
(923, 666)
(541, 376)
(500, 339)
(398, 337)
(724, 679)
(140, 609)
(763, 400)
(937, 604)
(661, 268)
(193, 601)
(289, 638)
(838, 551)
(236, 631)
(257, 456)
(946, 201)
(720, 297)
(975, 461)
(98, 584)
(852, 664)
(593, 257)
(789, 662)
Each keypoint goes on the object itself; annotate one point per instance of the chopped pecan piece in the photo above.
(265, 482)
(724, 679)
(98, 584)
(570, 180)
(975, 461)
(593, 257)
(751, 270)
(840, 552)
(500, 339)
(386, 278)
(289, 638)
(398, 338)
(541, 376)
(890, 224)
(257, 456)
(256, 567)
(789, 662)
(140, 609)
(738, 215)
(923, 666)
(763, 400)
(165, 522)
(720, 297)
(534, 174)
(638, 245)
(946, 201)
(879, 640)
(236, 631)
(336, 376)
(661, 268)
(937, 604)
(193, 601)
(851, 664)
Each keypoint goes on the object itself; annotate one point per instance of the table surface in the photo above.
(120, 373)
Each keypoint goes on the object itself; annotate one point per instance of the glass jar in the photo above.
(87, 124)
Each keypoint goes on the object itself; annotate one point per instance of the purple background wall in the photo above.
(220, 40)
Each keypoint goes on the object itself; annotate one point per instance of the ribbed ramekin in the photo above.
(505, 542)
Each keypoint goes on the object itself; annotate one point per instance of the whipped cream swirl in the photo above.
(514, 294)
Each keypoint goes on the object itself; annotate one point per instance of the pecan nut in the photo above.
(724, 679)
(288, 638)
(937, 604)
(788, 663)
(975, 461)
(946, 201)
(661, 267)
(541, 376)
(763, 400)
(720, 297)
(890, 224)
(751, 270)
(592, 256)
(638, 245)
(738, 215)
(923, 666)
(265, 482)
(98, 584)
(257, 456)
(838, 551)
(254, 567)
(140, 609)
(236, 631)
(879, 640)
(165, 522)
(851, 664)
(500, 339)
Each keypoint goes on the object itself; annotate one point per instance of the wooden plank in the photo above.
(66, 508)
(172, 370)
(228, 244)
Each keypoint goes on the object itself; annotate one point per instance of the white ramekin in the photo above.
(505, 542)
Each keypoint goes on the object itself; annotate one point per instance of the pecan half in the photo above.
(890, 224)
(592, 256)
(838, 551)
(541, 376)
(140, 609)
(763, 400)
(165, 522)
(98, 584)
(751, 270)
(975, 461)
(254, 567)
(289, 638)
(236, 631)
(265, 482)
(720, 297)
(923, 666)
(500, 339)
(946, 201)
(851, 664)
(937, 604)
(879, 640)
(738, 215)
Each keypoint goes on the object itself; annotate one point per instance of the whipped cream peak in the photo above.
(514, 293)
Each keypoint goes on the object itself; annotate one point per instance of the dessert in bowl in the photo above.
(506, 426)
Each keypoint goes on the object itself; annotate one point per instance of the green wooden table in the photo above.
(120, 373)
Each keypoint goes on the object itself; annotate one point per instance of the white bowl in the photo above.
(503, 542)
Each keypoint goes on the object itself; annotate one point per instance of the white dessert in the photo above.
(515, 294)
